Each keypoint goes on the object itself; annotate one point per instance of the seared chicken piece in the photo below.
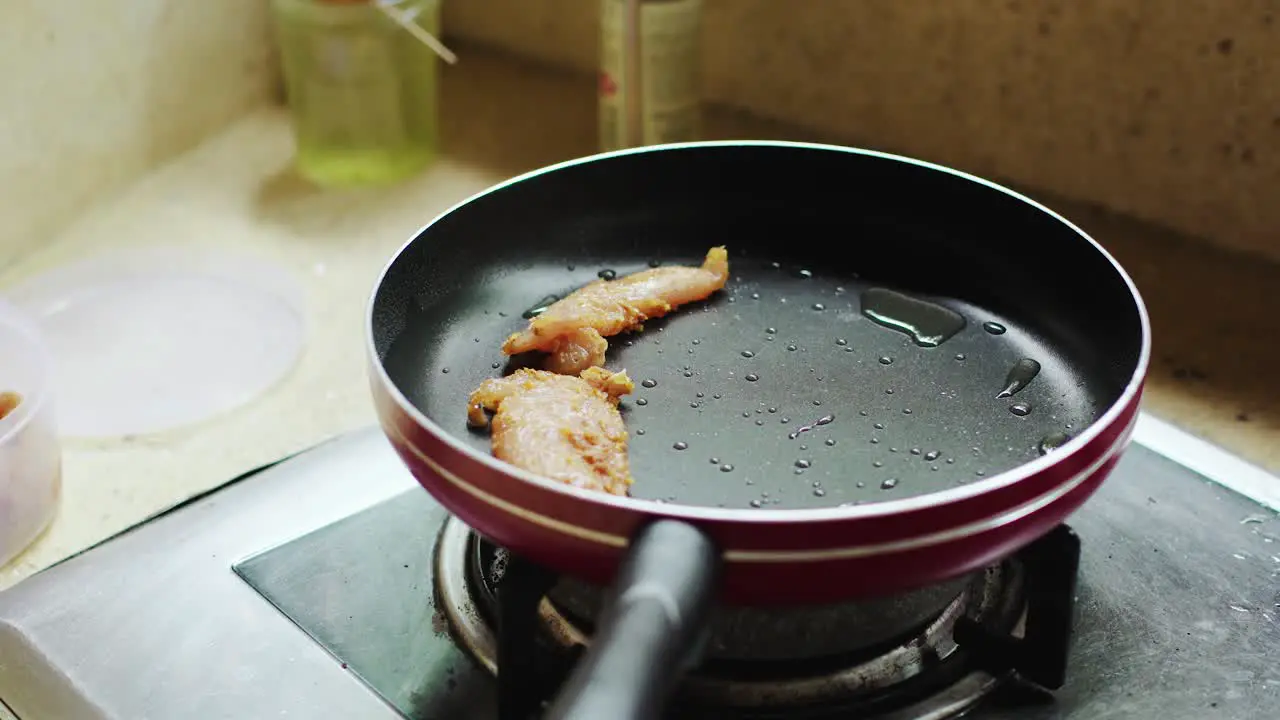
(561, 427)
(9, 401)
(573, 329)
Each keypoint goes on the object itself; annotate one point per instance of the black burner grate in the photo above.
(960, 653)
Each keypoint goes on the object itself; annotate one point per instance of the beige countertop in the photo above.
(1213, 347)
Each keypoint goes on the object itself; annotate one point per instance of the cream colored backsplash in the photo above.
(96, 93)
(1166, 110)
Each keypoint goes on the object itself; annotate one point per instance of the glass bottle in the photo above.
(362, 90)
(650, 55)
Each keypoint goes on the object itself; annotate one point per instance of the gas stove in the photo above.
(330, 584)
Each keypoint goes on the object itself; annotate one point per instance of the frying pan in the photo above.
(819, 431)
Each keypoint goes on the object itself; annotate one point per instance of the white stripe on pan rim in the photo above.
(1209, 460)
(1200, 456)
(952, 534)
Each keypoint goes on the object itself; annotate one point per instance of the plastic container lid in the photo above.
(147, 340)
(30, 456)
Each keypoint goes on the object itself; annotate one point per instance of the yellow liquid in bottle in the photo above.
(362, 90)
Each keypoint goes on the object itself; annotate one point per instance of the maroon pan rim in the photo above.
(1080, 447)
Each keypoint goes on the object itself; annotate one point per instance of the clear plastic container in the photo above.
(30, 455)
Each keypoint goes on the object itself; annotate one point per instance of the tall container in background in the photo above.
(650, 59)
(362, 90)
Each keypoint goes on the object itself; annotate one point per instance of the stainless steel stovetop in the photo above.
(311, 589)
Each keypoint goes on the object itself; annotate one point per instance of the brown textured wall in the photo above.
(1168, 110)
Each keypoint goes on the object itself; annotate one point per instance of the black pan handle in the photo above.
(651, 631)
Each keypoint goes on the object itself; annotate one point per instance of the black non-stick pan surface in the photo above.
(780, 391)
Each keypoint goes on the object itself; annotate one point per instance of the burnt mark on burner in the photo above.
(439, 623)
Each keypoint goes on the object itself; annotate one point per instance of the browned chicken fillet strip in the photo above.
(574, 328)
(561, 427)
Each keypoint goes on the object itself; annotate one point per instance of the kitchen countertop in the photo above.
(501, 117)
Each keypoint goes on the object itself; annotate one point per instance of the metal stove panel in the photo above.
(154, 625)
(1177, 603)
(362, 588)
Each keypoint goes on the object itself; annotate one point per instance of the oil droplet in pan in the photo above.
(928, 324)
(539, 307)
(1020, 375)
(1052, 442)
